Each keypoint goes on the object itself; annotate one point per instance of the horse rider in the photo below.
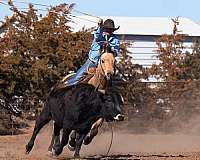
(103, 34)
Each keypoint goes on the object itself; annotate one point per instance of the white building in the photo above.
(143, 32)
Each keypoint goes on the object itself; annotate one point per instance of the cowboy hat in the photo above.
(109, 24)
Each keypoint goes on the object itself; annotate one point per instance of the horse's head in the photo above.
(106, 64)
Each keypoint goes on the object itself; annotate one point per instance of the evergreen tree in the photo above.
(38, 51)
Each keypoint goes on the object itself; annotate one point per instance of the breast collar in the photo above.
(110, 37)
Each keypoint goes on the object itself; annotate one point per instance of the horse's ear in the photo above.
(102, 50)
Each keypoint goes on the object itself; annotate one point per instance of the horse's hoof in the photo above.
(71, 148)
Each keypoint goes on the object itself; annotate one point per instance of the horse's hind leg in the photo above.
(42, 120)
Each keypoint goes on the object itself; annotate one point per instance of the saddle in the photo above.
(84, 79)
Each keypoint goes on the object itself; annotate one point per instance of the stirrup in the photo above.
(91, 70)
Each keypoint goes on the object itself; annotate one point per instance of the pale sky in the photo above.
(136, 8)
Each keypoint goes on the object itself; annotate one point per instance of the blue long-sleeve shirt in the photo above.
(98, 41)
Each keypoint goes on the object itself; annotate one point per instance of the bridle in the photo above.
(104, 51)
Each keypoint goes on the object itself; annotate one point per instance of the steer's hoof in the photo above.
(87, 140)
(28, 148)
(56, 151)
(50, 153)
(71, 148)
(50, 150)
(72, 144)
(76, 156)
(53, 152)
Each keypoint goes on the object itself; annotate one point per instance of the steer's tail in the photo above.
(42, 120)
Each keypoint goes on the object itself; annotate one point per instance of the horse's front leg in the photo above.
(93, 131)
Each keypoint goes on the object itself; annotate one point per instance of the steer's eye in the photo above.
(102, 61)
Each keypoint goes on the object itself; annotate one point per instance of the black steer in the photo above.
(73, 108)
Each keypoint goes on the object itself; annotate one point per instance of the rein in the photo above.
(101, 79)
(111, 140)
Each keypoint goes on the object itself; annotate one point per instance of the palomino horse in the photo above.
(104, 71)
(99, 78)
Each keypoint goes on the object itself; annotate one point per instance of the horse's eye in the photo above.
(102, 61)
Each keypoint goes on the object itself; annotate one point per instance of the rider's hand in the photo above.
(100, 22)
(112, 49)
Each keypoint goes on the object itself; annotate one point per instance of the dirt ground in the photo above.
(125, 146)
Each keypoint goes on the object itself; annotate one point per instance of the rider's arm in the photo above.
(98, 34)
(115, 46)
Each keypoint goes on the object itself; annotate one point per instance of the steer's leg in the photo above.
(57, 135)
(42, 120)
(72, 141)
(55, 141)
(52, 140)
(51, 144)
(79, 142)
(64, 140)
(93, 132)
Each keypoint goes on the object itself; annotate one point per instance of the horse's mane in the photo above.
(106, 49)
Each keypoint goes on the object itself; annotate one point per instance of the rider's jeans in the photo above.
(74, 79)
